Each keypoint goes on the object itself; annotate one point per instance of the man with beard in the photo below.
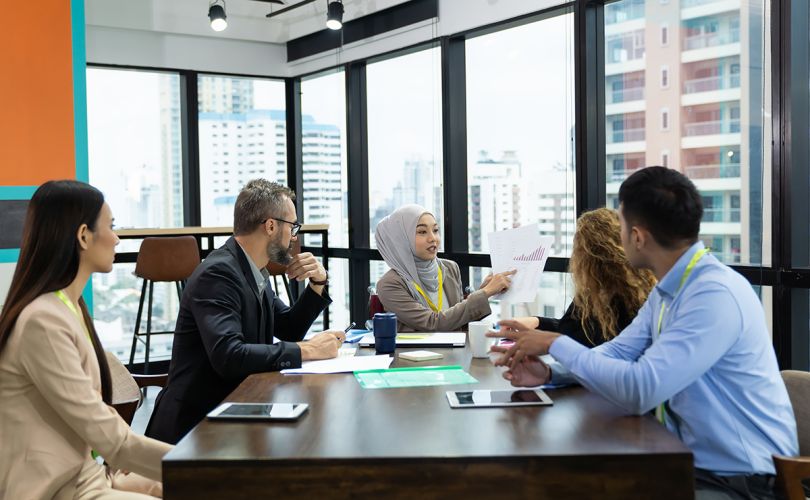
(229, 316)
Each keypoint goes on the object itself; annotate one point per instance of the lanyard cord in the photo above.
(65, 300)
(660, 410)
(430, 303)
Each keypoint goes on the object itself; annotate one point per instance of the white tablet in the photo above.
(484, 398)
(258, 411)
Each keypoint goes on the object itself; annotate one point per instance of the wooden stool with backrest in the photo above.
(126, 387)
(277, 270)
(161, 259)
(790, 471)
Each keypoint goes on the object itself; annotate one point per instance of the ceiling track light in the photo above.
(216, 15)
(334, 15)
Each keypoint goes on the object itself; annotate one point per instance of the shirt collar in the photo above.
(260, 275)
(671, 281)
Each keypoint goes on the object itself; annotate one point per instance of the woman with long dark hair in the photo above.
(55, 384)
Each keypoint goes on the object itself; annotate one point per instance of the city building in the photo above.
(678, 82)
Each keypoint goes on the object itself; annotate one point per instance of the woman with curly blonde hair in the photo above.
(608, 291)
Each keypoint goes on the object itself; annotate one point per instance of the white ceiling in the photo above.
(246, 18)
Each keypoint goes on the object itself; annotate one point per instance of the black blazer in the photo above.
(224, 333)
(571, 325)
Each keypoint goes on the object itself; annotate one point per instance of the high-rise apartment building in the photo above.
(218, 94)
(680, 78)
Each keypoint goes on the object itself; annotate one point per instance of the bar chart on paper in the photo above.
(536, 255)
(524, 250)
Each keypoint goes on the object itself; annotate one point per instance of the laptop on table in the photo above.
(422, 339)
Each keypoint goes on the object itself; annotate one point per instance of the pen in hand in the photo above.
(352, 325)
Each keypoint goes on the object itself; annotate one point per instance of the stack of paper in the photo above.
(343, 365)
(524, 250)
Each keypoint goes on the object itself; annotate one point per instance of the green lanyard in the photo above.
(659, 412)
(430, 303)
(65, 300)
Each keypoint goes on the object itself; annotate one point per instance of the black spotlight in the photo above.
(216, 14)
(334, 15)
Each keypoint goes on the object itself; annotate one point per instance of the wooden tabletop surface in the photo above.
(408, 443)
(347, 421)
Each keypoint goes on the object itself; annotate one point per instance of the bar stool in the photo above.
(277, 270)
(161, 259)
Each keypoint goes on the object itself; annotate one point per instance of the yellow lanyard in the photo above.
(433, 307)
(65, 300)
(659, 412)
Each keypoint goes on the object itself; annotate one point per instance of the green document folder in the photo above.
(413, 377)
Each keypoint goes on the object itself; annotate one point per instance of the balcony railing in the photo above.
(627, 135)
(728, 171)
(621, 12)
(685, 4)
(627, 95)
(620, 174)
(621, 54)
(713, 127)
(711, 39)
(721, 214)
(711, 83)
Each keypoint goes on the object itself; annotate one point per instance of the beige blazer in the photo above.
(51, 411)
(412, 315)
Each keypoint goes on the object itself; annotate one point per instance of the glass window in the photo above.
(520, 131)
(243, 136)
(716, 88)
(135, 159)
(404, 134)
(323, 123)
(325, 199)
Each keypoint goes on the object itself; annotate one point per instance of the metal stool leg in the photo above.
(148, 327)
(137, 326)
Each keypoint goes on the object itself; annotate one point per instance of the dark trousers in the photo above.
(709, 486)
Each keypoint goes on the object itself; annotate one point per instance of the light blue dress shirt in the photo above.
(713, 363)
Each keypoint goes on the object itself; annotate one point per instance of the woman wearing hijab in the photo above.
(421, 289)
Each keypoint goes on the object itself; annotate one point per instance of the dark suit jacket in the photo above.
(224, 333)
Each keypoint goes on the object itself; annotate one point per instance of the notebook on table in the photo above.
(422, 339)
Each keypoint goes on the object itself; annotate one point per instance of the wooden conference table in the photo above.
(408, 443)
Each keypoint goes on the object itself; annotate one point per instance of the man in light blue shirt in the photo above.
(698, 352)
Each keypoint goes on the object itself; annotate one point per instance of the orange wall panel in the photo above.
(36, 113)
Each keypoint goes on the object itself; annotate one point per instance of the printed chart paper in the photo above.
(523, 249)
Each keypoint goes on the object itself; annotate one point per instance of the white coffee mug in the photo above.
(479, 342)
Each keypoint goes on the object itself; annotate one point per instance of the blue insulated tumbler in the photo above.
(385, 332)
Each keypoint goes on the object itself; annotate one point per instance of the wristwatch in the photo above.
(321, 283)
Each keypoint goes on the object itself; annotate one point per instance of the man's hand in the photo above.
(324, 345)
(530, 372)
(527, 342)
(497, 283)
(303, 266)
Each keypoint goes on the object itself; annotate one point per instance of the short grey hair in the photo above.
(259, 200)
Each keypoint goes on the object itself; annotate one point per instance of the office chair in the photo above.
(791, 471)
(126, 387)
